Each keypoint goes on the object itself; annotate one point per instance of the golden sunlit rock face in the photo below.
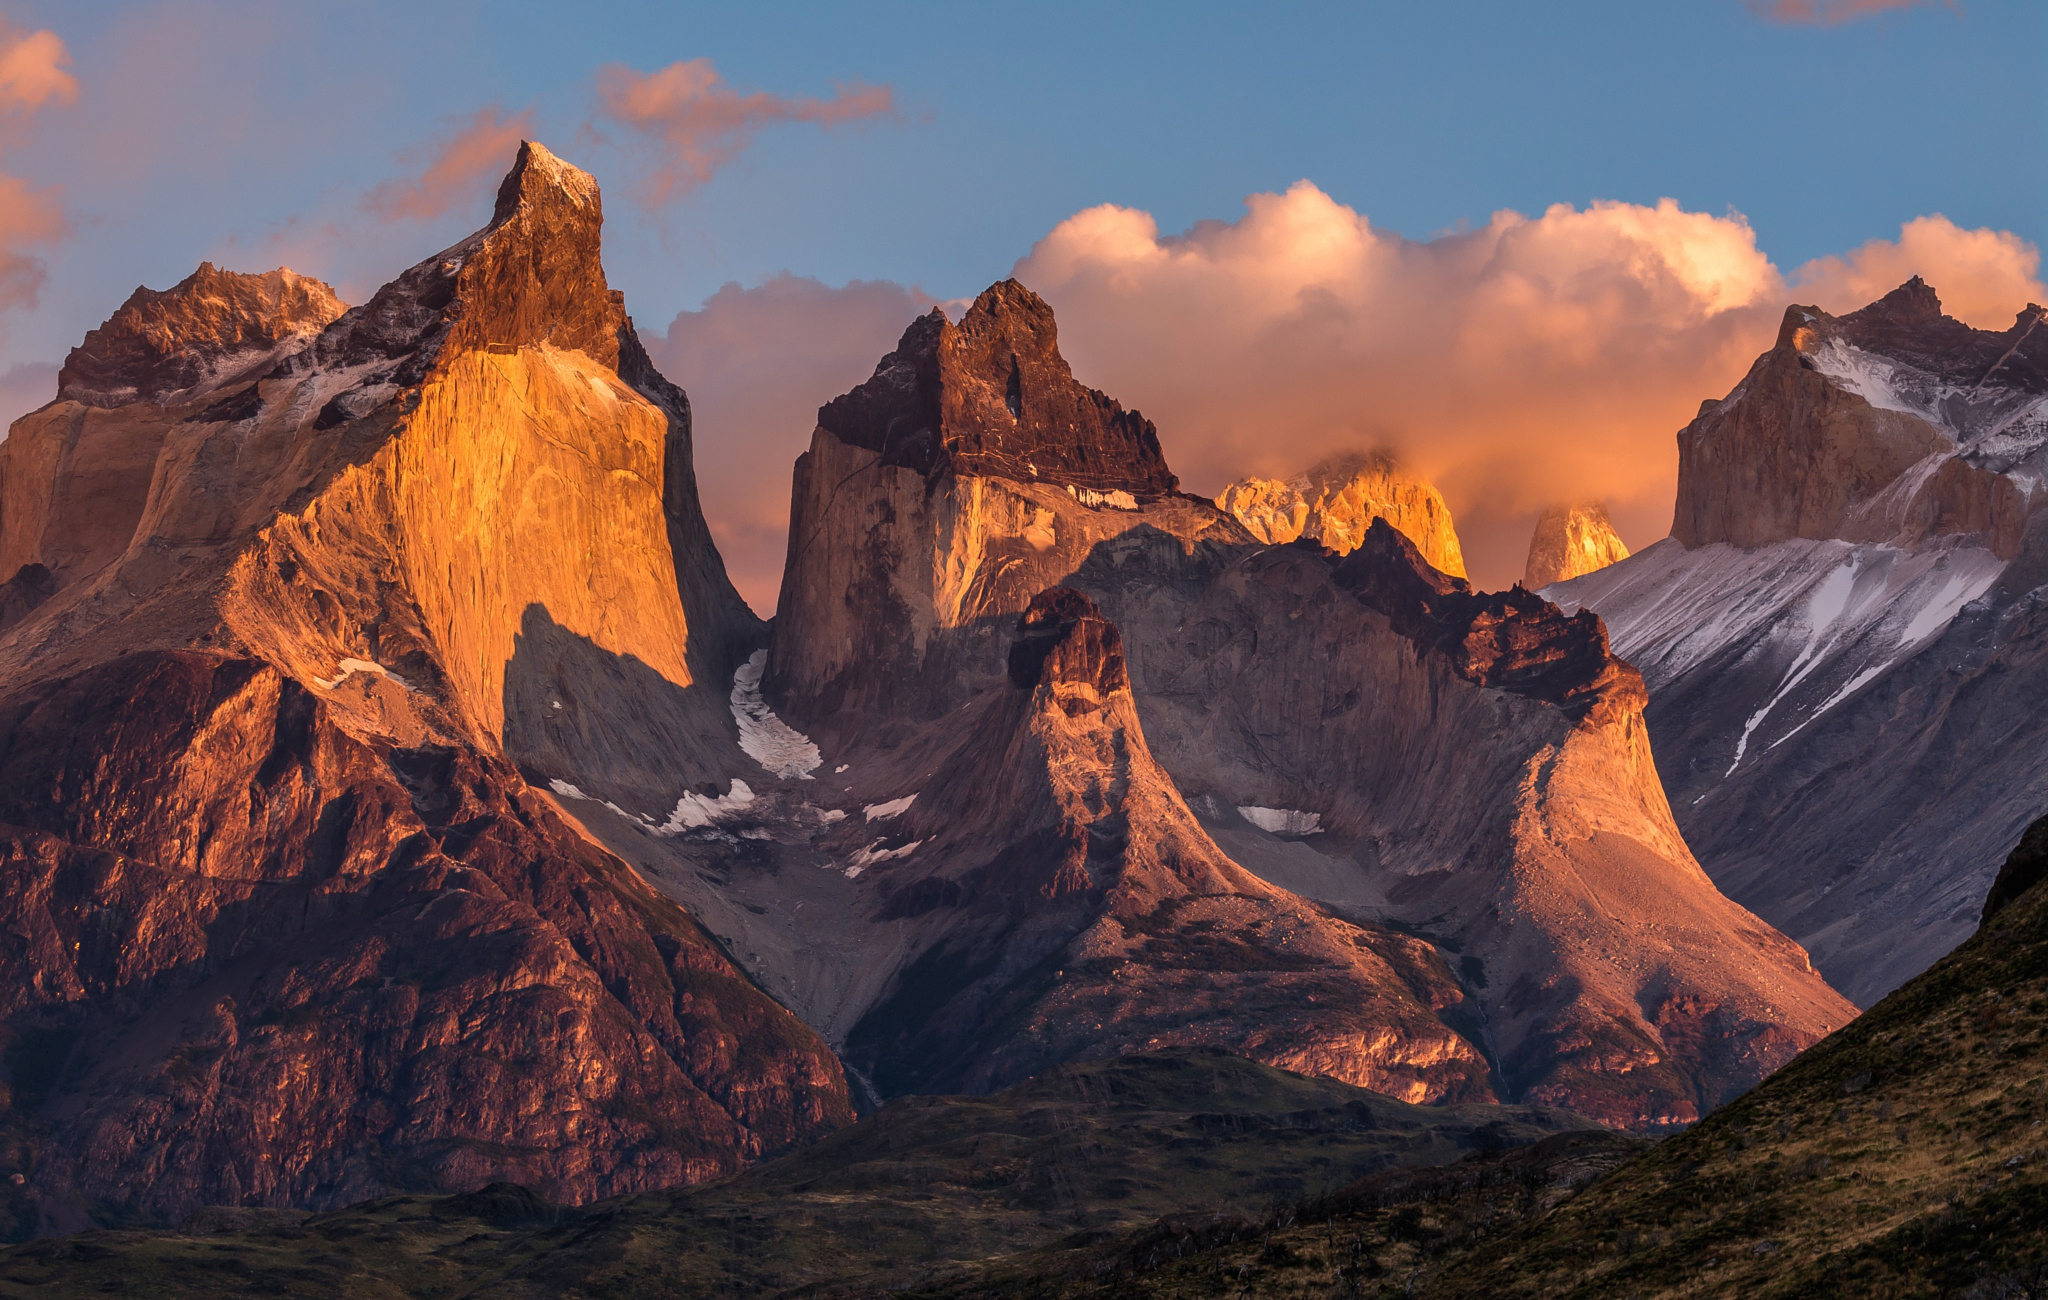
(300, 617)
(1571, 540)
(1335, 503)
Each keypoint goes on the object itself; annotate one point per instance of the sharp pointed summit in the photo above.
(314, 615)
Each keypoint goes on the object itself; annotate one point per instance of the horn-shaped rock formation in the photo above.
(1570, 542)
(290, 927)
(1337, 500)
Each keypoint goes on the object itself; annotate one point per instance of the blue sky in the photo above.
(250, 134)
(239, 118)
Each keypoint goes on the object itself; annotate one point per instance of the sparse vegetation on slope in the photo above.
(1081, 1156)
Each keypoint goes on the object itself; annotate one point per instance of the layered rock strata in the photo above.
(1335, 502)
(1842, 639)
(292, 928)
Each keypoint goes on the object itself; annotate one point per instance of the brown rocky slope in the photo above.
(289, 927)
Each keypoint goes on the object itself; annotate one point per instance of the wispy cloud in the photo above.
(454, 169)
(34, 69)
(34, 73)
(695, 123)
(1830, 13)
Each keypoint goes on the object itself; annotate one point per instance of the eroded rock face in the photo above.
(267, 758)
(75, 475)
(1363, 731)
(1842, 641)
(202, 331)
(1091, 915)
(992, 395)
(1893, 423)
(1569, 542)
(359, 967)
(1337, 501)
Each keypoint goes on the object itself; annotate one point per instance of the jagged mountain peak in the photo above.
(1893, 423)
(1336, 501)
(1571, 540)
(539, 179)
(212, 324)
(1513, 640)
(1915, 300)
(533, 276)
(992, 396)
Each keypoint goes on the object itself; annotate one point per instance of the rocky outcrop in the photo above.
(75, 475)
(266, 766)
(1842, 641)
(1335, 502)
(1510, 641)
(978, 868)
(1893, 423)
(1569, 542)
(1084, 912)
(357, 967)
(993, 396)
(203, 331)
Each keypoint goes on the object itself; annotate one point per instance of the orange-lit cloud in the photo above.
(1828, 13)
(758, 363)
(458, 167)
(33, 74)
(1525, 361)
(1983, 276)
(28, 216)
(34, 69)
(697, 123)
(1529, 360)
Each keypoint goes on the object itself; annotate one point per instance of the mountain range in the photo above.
(398, 801)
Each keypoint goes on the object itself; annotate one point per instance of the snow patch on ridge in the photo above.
(765, 738)
(873, 853)
(1870, 377)
(1116, 500)
(693, 810)
(884, 811)
(1282, 821)
(1793, 628)
(349, 667)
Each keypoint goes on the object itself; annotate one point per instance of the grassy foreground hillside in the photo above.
(1902, 1156)
(928, 1185)
(1905, 1155)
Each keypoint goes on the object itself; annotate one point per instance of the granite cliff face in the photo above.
(290, 925)
(1372, 825)
(1895, 423)
(1842, 638)
(1337, 500)
(1570, 542)
(75, 475)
